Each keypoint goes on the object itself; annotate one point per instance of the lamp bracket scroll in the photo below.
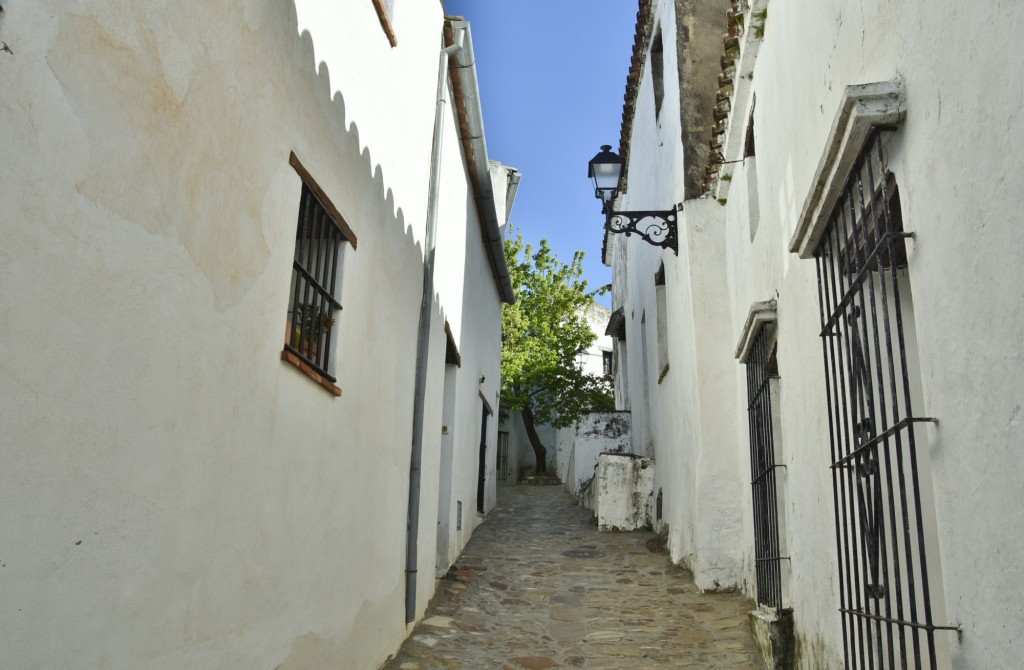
(654, 227)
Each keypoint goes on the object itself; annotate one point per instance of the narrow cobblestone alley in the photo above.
(538, 587)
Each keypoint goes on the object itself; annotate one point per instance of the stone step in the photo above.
(541, 480)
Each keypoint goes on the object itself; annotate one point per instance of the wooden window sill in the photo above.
(304, 368)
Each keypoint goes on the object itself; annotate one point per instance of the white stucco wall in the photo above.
(173, 494)
(951, 267)
(953, 159)
(688, 421)
(595, 434)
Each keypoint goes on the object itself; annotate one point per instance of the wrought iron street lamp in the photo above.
(654, 227)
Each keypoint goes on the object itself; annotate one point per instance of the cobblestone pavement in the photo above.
(538, 587)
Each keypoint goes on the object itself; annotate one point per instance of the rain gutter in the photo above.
(474, 143)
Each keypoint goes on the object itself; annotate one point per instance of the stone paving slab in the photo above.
(538, 587)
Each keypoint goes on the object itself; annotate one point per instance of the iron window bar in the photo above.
(777, 466)
(315, 284)
(862, 274)
(884, 584)
(881, 439)
(911, 624)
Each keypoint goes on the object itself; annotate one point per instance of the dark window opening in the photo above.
(748, 144)
(606, 359)
(481, 486)
(504, 468)
(872, 244)
(658, 72)
(661, 300)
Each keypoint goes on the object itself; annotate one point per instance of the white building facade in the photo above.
(224, 399)
(828, 372)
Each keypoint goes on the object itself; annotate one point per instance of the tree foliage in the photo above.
(543, 333)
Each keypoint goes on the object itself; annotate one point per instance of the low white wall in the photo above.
(596, 433)
(623, 492)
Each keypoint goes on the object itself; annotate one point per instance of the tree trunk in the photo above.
(540, 453)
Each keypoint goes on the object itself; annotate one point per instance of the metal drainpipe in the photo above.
(423, 339)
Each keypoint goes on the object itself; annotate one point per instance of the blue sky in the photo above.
(552, 78)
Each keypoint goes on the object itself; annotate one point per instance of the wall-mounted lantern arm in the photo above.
(655, 227)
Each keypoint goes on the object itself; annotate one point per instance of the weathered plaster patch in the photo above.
(173, 167)
(311, 651)
(315, 650)
(625, 492)
(811, 653)
(773, 635)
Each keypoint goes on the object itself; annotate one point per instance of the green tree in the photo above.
(542, 334)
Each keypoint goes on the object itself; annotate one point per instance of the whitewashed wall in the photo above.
(478, 336)
(687, 420)
(961, 275)
(955, 160)
(173, 494)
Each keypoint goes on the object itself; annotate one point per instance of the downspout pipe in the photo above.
(514, 177)
(423, 337)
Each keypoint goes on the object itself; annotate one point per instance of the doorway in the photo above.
(481, 485)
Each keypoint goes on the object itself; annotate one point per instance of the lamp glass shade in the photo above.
(605, 169)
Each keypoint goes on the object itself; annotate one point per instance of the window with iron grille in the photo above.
(762, 394)
(313, 305)
(884, 535)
